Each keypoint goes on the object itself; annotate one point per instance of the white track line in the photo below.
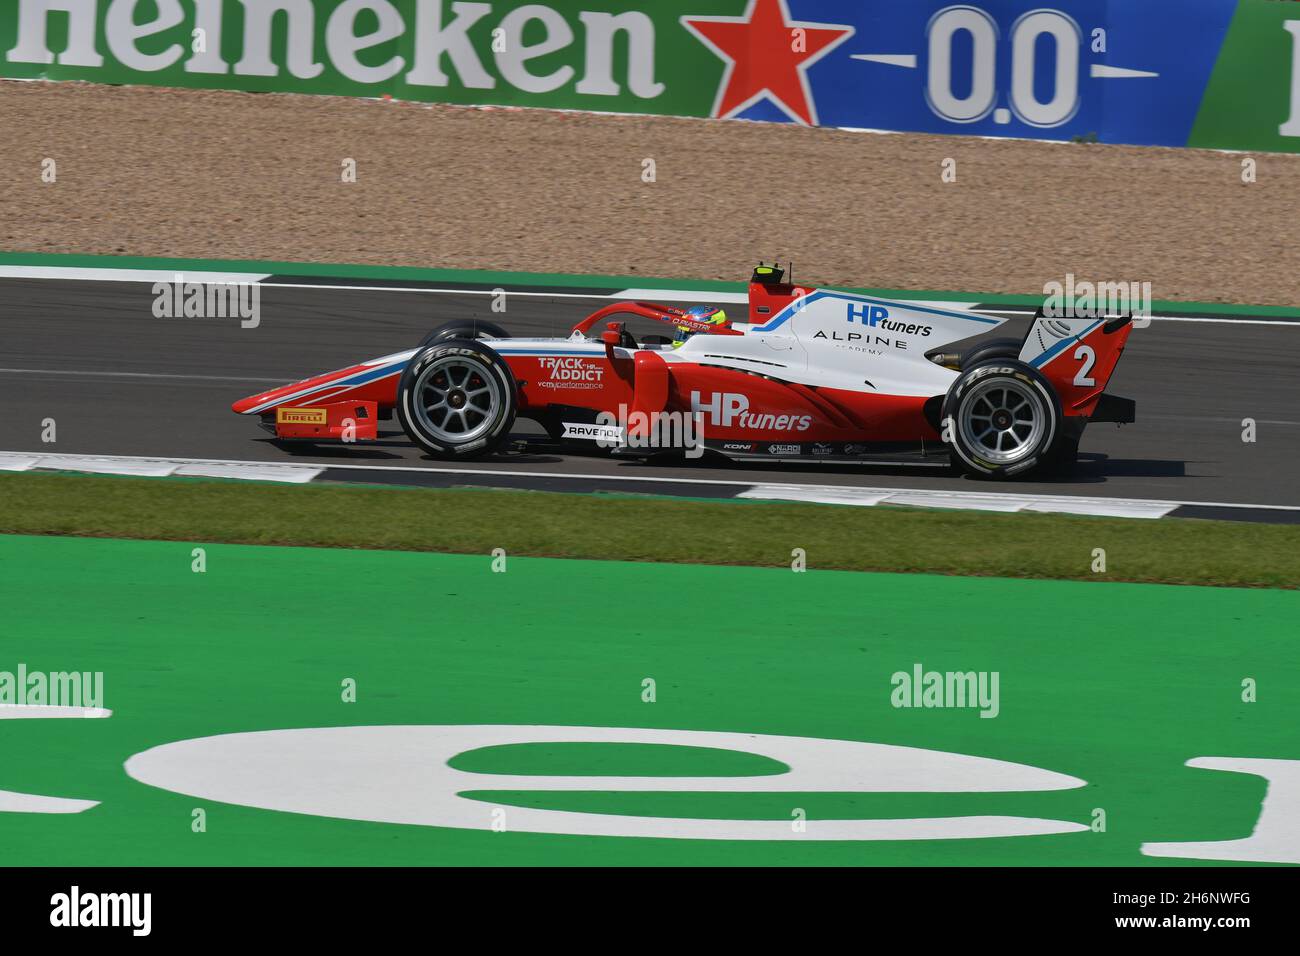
(82, 373)
(845, 494)
(435, 291)
(666, 295)
(726, 298)
(127, 275)
(160, 467)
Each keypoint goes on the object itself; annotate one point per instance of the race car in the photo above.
(814, 374)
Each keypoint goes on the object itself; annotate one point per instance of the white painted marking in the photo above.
(400, 774)
(82, 373)
(161, 467)
(1112, 508)
(1002, 116)
(100, 274)
(963, 500)
(889, 59)
(421, 290)
(982, 501)
(93, 464)
(1149, 416)
(13, 461)
(1276, 837)
(663, 295)
(818, 495)
(13, 802)
(1100, 71)
(41, 711)
(254, 471)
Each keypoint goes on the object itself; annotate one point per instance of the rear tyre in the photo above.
(457, 400)
(993, 350)
(1004, 420)
(464, 329)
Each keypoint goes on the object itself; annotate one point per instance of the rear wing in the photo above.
(1078, 356)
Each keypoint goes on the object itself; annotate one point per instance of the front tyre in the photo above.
(464, 329)
(457, 400)
(1003, 420)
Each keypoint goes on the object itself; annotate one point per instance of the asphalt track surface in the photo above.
(118, 381)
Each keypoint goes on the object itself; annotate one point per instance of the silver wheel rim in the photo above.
(456, 399)
(1002, 420)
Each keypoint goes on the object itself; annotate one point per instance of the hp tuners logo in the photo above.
(730, 410)
(877, 317)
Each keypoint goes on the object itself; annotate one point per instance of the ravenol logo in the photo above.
(867, 315)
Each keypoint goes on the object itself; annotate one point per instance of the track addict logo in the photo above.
(731, 410)
(571, 373)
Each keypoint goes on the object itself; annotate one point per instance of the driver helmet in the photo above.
(712, 314)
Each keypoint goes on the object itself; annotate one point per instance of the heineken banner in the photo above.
(1221, 73)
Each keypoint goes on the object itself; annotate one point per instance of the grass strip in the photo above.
(632, 528)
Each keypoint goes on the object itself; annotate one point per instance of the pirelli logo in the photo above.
(300, 416)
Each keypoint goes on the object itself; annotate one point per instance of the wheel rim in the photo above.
(1002, 421)
(455, 399)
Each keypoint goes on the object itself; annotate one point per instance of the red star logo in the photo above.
(767, 55)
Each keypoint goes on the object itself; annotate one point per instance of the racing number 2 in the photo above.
(1088, 357)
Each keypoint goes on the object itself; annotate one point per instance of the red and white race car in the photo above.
(813, 374)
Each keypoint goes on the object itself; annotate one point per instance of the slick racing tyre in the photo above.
(457, 399)
(1002, 420)
(993, 350)
(464, 329)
